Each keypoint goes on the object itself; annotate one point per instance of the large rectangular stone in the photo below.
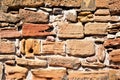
(36, 30)
(33, 17)
(72, 30)
(102, 3)
(96, 28)
(9, 33)
(83, 48)
(7, 47)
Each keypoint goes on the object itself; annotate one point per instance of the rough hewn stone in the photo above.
(83, 48)
(115, 55)
(68, 62)
(15, 72)
(10, 62)
(31, 63)
(53, 48)
(33, 17)
(7, 17)
(4, 24)
(44, 74)
(1, 71)
(102, 3)
(112, 42)
(36, 30)
(7, 57)
(30, 47)
(7, 47)
(102, 12)
(96, 28)
(114, 6)
(9, 33)
(114, 28)
(102, 18)
(72, 30)
(114, 19)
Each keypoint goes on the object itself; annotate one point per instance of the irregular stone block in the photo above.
(1, 71)
(102, 12)
(4, 24)
(7, 47)
(115, 56)
(53, 48)
(33, 17)
(68, 62)
(7, 57)
(102, 3)
(72, 30)
(44, 74)
(31, 63)
(9, 33)
(30, 47)
(115, 19)
(83, 48)
(88, 5)
(102, 18)
(15, 72)
(36, 30)
(7, 17)
(96, 28)
(10, 62)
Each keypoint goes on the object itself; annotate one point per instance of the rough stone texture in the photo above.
(7, 57)
(15, 72)
(114, 19)
(31, 63)
(101, 53)
(71, 30)
(96, 28)
(4, 24)
(115, 55)
(53, 48)
(68, 62)
(44, 74)
(7, 17)
(7, 47)
(112, 42)
(1, 71)
(102, 12)
(36, 30)
(102, 3)
(33, 17)
(83, 48)
(9, 33)
(114, 6)
(94, 75)
(114, 28)
(88, 5)
(30, 47)
(10, 62)
(102, 18)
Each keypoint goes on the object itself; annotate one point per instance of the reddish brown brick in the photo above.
(68, 62)
(112, 42)
(7, 47)
(96, 28)
(115, 55)
(70, 30)
(44, 74)
(9, 33)
(15, 72)
(36, 30)
(53, 48)
(33, 17)
(83, 48)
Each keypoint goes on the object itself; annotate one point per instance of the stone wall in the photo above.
(59, 40)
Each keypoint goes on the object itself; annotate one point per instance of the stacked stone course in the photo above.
(59, 40)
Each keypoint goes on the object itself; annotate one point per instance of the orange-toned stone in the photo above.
(36, 30)
(102, 3)
(83, 48)
(102, 12)
(9, 33)
(15, 72)
(72, 30)
(44, 74)
(53, 48)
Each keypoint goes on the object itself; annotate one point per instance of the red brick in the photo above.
(115, 56)
(7, 47)
(96, 28)
(9, 33)
(68, 62)
(71, 30)
(53, 48)
(31, 63)
(83, 48)
(33, 17)
(112, 42)
(36, 30)
(44, 74)
(15, 72)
